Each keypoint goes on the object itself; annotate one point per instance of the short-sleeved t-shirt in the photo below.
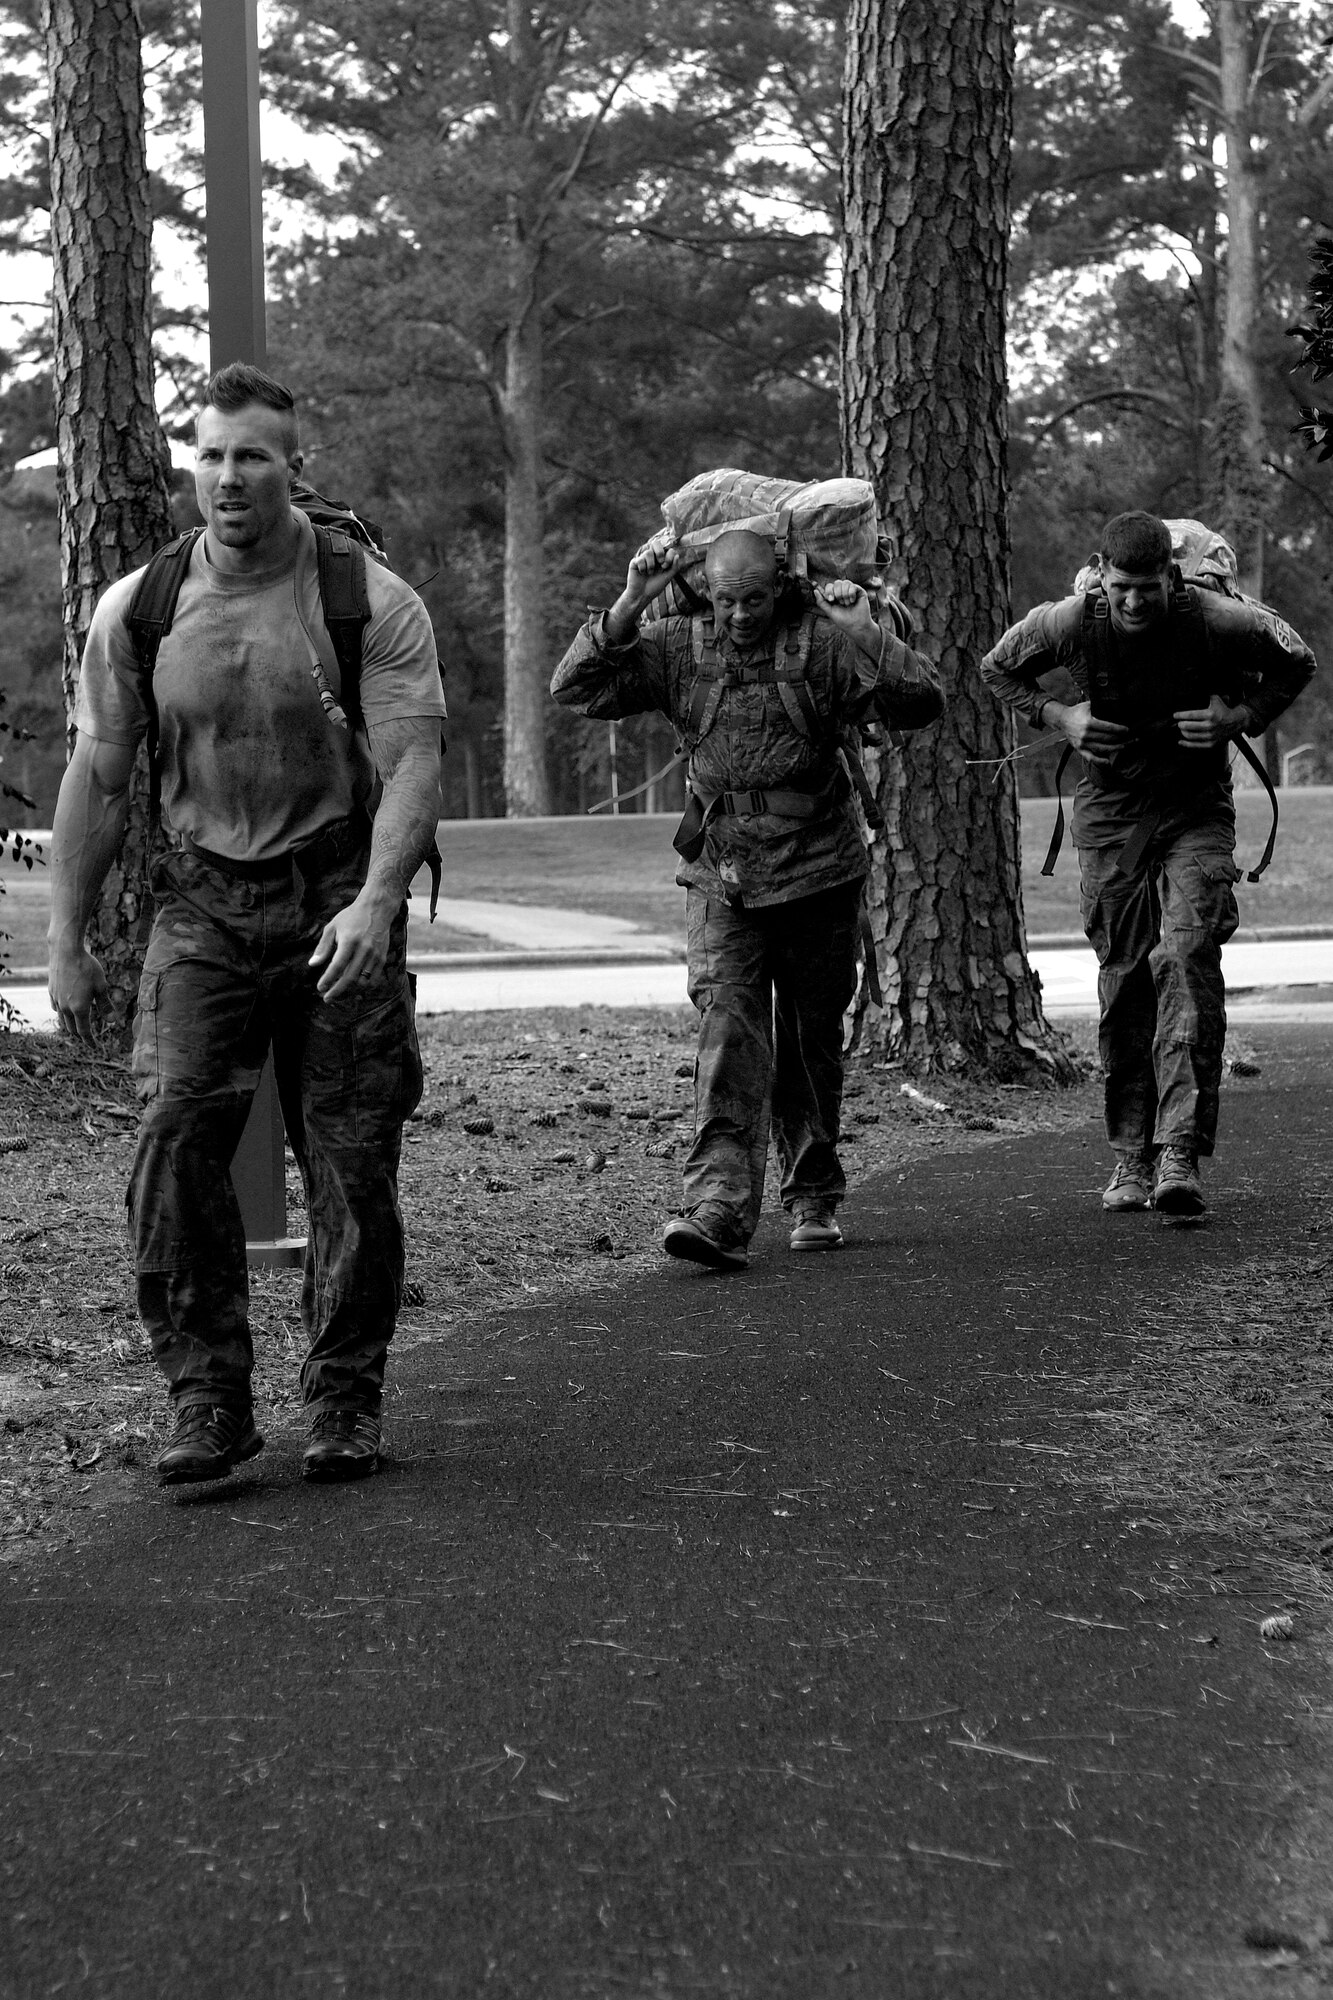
(251, 762)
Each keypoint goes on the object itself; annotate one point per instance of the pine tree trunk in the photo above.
(1240, 485)
(1238, 440)
(527, 669)
(927, 106)
(114, 504)
(527, 666)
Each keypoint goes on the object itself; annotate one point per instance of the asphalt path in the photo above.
(761, 1635)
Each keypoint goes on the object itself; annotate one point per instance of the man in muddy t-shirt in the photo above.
(280, 920)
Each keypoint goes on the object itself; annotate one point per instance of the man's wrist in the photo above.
(382, 894)
(622, 620)
(64, 934)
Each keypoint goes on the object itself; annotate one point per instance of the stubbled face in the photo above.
(744, 595)
(1137, 603)
(243, 479)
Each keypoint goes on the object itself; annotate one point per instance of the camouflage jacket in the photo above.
(1252, 657)
(753, 742)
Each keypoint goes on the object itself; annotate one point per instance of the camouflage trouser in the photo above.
(1158, 935)
(771, 986)
(225, 977)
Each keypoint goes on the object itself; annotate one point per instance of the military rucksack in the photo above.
(344, 543)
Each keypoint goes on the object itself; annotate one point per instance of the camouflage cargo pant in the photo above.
(1158, 934)
(225, 977)
(771, 986)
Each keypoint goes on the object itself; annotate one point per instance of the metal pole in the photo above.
(233, 183)
(234, 236)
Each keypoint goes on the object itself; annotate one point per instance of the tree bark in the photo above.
(927, 105)
(526, 671)
(527, 667)
(1237, 430)
(111, 481)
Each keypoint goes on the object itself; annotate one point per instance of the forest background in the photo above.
(586, 273)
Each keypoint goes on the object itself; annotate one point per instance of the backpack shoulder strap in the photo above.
(706, 685)
(1091, 670)
(1187, 605)
(345, 603)
(148, 620)
(153, 605)
(791, 671)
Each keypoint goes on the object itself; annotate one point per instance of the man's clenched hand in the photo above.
(1202, 728)
(847, 606)
(650, 571)
(1091, 735)
(76, 984)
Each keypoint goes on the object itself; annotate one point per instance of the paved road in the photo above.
(749, 1636)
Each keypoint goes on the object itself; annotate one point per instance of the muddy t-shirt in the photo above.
(252, 763)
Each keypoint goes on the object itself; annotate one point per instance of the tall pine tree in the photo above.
(927, 116)
(114, 506)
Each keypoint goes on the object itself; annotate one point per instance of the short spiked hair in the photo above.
(240, 383)
(1137, 543)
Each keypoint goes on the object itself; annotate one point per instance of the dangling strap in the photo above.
(1058, 836)
(1257, 765)
(1130, 857)
(865, 791)
(620, 797)
(873, 987)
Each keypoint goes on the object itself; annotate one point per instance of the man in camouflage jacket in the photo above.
(1164, 677)
(762, 692)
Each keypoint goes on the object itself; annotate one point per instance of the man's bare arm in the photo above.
(89, 827)
(354, 943)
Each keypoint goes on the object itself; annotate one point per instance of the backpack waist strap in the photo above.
(783, 802)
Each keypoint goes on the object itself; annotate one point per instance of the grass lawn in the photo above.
(1297, 888)
(626, 868)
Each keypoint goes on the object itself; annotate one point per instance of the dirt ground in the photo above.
(546, 1147)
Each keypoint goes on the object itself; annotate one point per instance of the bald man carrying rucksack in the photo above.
(762, 685)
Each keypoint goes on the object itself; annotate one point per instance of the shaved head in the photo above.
(740, 553)
(741, 573)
